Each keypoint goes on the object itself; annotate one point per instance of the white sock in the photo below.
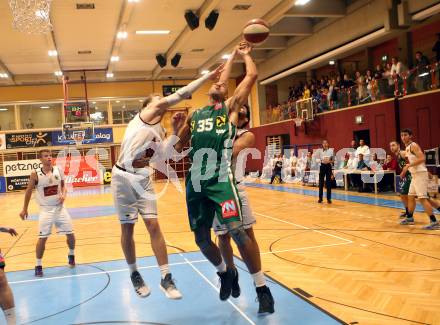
(132, 267)
(39, 262)
(71, 251)
(164, 270)
(221, 267)
(259, 279)
(10, 316)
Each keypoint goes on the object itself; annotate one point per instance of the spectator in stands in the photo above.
(375, 163)
(361, 86)
(291, 92)
(344, 163)
(306, 93)
(323, 103)
(390, 163)
(371, 85)
(353, 145)
(357, 179)
(363, 150)
(352, 161)
(381, 83)
(398, 70)
(436, 48)
(423, 75)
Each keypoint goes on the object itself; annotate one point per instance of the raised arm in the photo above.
(243, 90)
(27, 197)
(247, 140)
(224, 76)
(159, 108)
(183, 130)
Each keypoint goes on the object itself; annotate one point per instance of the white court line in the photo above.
(242, 313)
(101, 272)
(304, 248)
(304, 227)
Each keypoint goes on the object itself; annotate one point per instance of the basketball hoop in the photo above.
(31, 16)
(298, 121)
(78, 137)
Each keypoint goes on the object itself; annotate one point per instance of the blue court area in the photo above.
(381, 202)
(101, 293)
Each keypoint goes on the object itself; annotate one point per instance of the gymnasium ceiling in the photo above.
(25, 60)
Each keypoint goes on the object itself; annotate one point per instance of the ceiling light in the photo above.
(4, 75)
(331, 62)
(41, 14)
(122, 35)
(152, 32)
(141, 101)
(205, 72)
(301, 2)
(133, 1)
(3, 109)
(114, 58)
(52, 53)
(58, 73)
(44, 107)
(226, 56)
(109, 75)
(118, 101)
(93, 102)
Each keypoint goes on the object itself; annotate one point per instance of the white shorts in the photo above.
(247, 216)
(133, 194)
(54, 215)
(419, 185)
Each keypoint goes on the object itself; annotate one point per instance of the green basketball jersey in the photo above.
(402, 162)
(211, 131)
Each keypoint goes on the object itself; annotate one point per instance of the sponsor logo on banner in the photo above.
(106, 176)
(17, 183)
(2, 184)
(229, 209)
(79, 171)
(2, 142)
(20, 167)
(31, 139)
(101, 136)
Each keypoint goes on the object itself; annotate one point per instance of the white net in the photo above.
(31, 16)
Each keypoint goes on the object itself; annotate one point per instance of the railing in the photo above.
(417, 80)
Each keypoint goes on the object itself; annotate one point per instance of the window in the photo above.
(38, 116)
(124, 110)
(7, 117)
(98, 112)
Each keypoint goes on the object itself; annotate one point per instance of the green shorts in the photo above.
(215, 199)
(404, 185)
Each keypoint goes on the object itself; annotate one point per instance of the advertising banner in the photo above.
(20, 167)
(102, 135)
(26, 140)
(2, 142)
(2, 184)
(17, 183)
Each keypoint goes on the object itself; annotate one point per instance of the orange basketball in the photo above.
(256, 31)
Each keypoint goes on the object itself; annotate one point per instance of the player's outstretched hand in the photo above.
(24, 215)
(215, 74)
(62, 198)
(178, 121)
(244, 48)
(12, 232)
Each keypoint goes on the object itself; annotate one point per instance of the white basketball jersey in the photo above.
(412, 157)
(139, 141)
(49, 187)
(239, 169)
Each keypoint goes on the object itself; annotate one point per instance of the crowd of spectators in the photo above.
(337, 91)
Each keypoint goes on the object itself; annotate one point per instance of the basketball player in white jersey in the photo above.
(244, 139)
(6, 297)
(132, 187)
(419, 181)
(50, 194)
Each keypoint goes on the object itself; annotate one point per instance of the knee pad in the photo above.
(239, 236)
(203, 238)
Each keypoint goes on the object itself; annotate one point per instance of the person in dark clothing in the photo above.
(324, 157)
(277, 170)
(436, 48)
(423, 73)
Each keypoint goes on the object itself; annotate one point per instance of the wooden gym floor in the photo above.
(351, 259)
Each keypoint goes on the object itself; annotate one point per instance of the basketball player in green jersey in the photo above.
(405, 178)
(210, 184)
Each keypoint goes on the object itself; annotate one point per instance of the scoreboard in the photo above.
(76, 112)
(171, 89)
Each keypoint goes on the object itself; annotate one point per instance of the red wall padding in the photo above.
(420, 113)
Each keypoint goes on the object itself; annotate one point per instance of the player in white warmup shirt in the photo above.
(419, 181)
(50, 194)
(132, 187)
(6, 296)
